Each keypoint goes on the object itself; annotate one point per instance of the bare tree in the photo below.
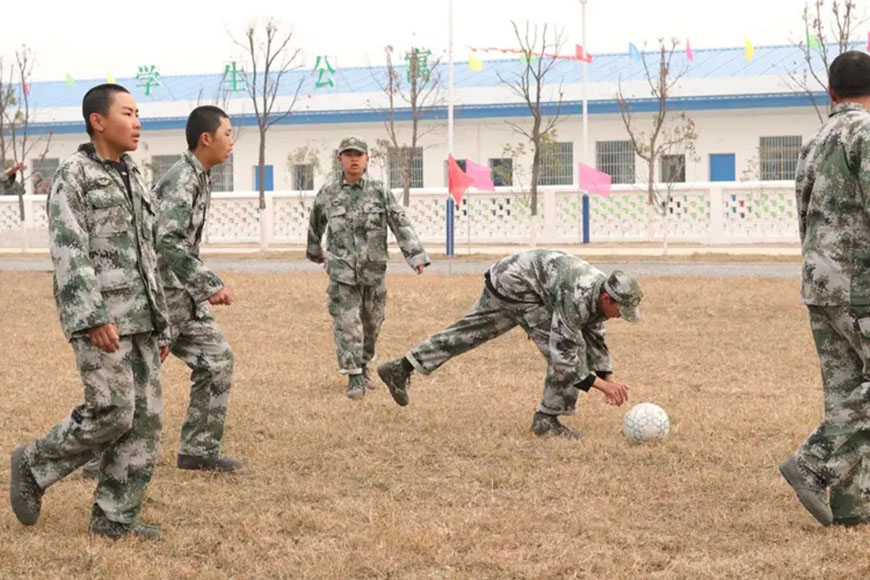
(18, 142)
(419, 90)
(539, 50)
(270, 58)
(669, 135)
(828, 29)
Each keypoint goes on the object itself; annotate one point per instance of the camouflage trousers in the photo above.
(838, 450)
(119, 421)
(488, 319)
(357, 314)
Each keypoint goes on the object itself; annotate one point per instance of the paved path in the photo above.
(642, 269)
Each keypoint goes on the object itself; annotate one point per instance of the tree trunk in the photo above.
(261, 171)
(407, 168)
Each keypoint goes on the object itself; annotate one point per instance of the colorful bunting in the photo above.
(868, 42)
(70, 82)
(594, 181)
(25, 86)
(111, 78)
(689, 55)
(633, 52)
(748, 51)
(581, 54)
(474, 63)
(813, 42)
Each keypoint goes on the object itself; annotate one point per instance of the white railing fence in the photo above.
(705, 213)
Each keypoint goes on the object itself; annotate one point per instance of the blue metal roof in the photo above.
(708, 63)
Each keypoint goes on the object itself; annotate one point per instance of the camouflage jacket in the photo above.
(184, 196)
(102, 246)
(833, 203)
(8, 183)
(567, 288)
(355, 218)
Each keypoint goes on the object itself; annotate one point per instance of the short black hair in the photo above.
(204, 119)
(849, 75)
(98, 100)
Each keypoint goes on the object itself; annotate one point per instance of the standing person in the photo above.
(112, 310)
(832, 185)
(185, 195)
(355, 212)
(562, 303)
(8, 177)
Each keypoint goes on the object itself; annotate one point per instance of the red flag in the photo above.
(594, 181)
(689, 54)
(25, 86)
(457, 180)
(480, 175)
(581, 54)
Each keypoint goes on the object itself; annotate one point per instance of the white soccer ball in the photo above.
(646, 422)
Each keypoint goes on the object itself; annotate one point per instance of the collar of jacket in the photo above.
(843, 107)
(91, 151)
(361, 183)
(194, 162)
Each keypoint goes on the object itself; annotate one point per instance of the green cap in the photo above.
(353, 143)
(625, 290)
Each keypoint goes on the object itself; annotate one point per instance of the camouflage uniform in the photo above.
(105, 271)
(9, 184)
(184, 196)
(833, 176)
(355, 218)
(553, 297)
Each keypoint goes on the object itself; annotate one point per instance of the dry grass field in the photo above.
(453, 486)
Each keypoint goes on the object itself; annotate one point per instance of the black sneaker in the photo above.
(397, 379)
(103, 526)
(811, 491)
(194, 463)
(24, 493)
(544, 425)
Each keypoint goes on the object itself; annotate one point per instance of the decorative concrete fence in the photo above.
(706, 213)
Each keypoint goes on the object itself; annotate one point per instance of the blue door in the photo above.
(270, 181)
(722, 167)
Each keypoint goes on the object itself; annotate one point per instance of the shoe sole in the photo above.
(810, 501)
(401, 397)
(19, 505)
(356, 395)
(213, 468)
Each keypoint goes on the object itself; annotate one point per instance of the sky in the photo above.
(89, 40)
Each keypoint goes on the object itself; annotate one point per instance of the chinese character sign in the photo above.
(147, 77)
(232, 78)
(324, 72)
(418, 64)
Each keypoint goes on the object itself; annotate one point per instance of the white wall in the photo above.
(723, 131)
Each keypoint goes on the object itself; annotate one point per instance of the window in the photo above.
(557, 164)
(615, 158)
(778, 157)
(43, 173)
(673, 169)
(502, 171)
(160, 164)
(303, 177)
(395, 162)
(221, 176)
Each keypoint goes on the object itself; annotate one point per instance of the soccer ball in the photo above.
(646, 422)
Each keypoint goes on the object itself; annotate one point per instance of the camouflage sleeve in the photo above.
(597, 354)
(316, 228)
(410, 244)
(76, 287)
(173, 220)
(803, 189)
(567, 364)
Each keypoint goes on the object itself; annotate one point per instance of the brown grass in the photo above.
(453, 486)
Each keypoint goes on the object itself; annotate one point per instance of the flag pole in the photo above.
(584, 235)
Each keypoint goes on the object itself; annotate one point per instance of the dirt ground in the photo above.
(454, 485)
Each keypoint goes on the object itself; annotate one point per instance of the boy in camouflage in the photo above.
(355, 212)
(562, 303)
(7, 179)
(113, 312)
(832, 184)
(183, 194)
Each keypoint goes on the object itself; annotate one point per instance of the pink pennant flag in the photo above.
(457, 180)
(481, 176)
(26, 87)
(868, 42)
(689, 54)
(580, 54)
(594, 181)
